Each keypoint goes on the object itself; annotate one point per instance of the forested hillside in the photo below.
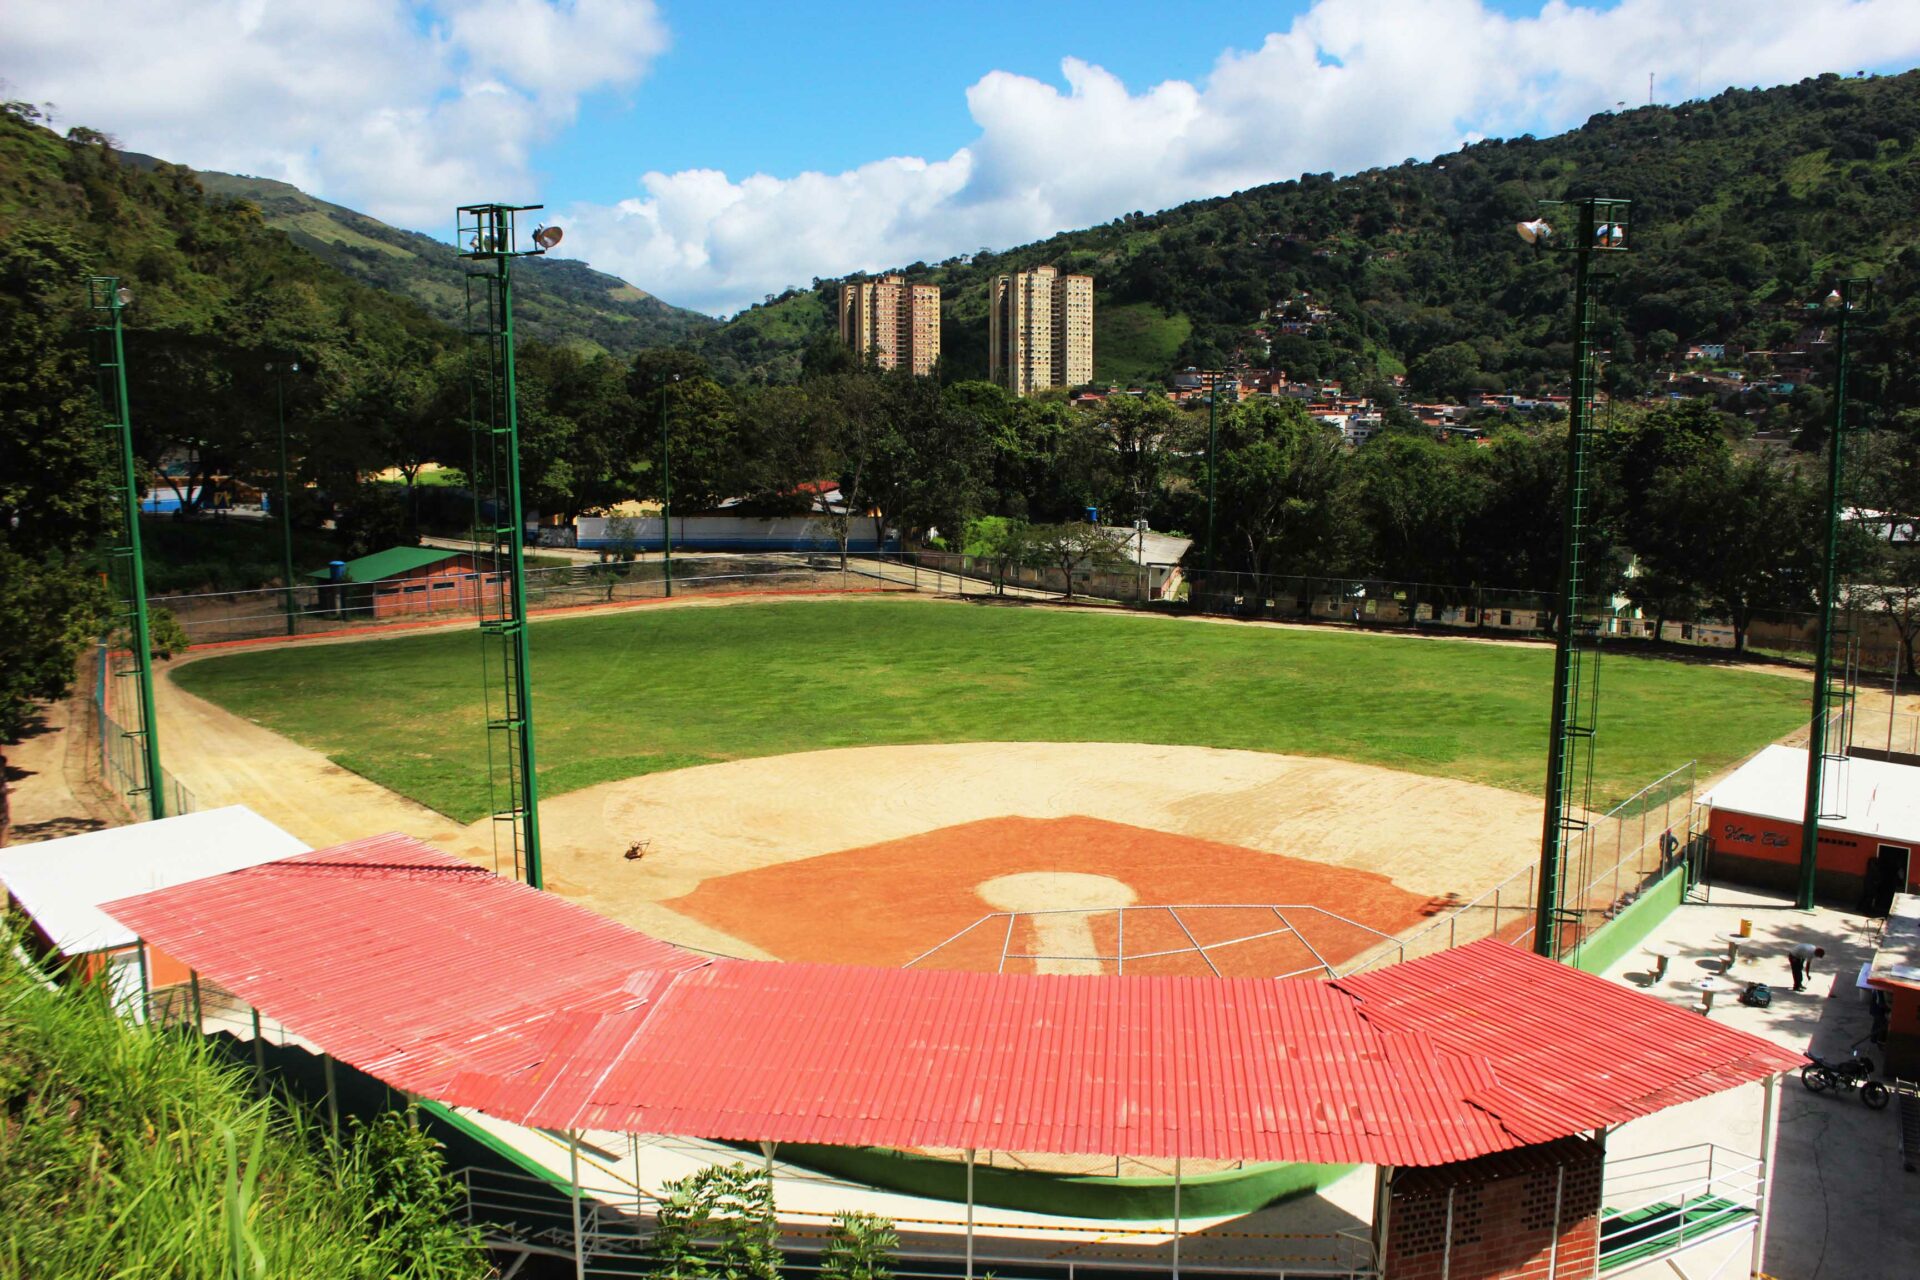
(1744, 207)
(217, 297)
(557, 300)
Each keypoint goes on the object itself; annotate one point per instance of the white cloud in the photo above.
(1349, 85)
(400, 109)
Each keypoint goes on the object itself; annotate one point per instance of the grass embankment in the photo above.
(131, 1152)
(632, 693)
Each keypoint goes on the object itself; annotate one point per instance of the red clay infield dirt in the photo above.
(885, 904)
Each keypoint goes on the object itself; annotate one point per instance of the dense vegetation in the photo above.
(1745, 207)
(768, 679)
(129, 1151)
(218, 296)
(557, 300)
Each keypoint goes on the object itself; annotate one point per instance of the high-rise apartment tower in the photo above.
(1040, 330)
(899, 323)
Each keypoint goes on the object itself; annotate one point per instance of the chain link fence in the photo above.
(335, 608)
(115, 748)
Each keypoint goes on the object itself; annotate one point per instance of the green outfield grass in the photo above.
(624, 694)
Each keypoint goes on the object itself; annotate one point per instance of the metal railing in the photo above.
(1657, 1205)
(524, 1214)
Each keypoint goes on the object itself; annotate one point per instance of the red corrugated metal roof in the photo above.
(449, 982)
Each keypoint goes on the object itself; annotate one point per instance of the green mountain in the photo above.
(1745, 206)
(557, 300)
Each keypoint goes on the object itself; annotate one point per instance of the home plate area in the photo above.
(1070, 894)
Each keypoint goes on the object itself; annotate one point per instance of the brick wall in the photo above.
(1503, 1217)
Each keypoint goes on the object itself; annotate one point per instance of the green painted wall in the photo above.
(1201, 1195)
(1630, 928)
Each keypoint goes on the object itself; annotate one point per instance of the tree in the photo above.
(1418, 498)
(1743, 531)
(54, 485)
(1071, 548)
(1282, 493)
(1451, 371)
(862, 1247)
(717, 1223)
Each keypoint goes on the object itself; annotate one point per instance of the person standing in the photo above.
(1800, 958)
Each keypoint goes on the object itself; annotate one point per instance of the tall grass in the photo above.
(128, 1151)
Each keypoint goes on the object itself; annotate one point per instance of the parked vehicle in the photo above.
(1857, 1072)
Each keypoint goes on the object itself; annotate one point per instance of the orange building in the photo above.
(1866, 852)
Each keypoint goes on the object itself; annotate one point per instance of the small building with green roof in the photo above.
(401, 580)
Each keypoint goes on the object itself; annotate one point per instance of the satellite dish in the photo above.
(1535, 231)
(124, 296)
(546, 237)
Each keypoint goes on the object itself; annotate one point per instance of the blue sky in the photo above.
(763, 87)
(716, 153)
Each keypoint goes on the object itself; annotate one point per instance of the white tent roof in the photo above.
(61, 883)
(1878, 799)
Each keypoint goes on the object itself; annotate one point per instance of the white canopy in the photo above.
(1877, 798)
(61, 883)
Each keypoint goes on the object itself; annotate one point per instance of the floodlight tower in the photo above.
(1822, 747)
(1595, 225)
(485, 233)
(108, 298)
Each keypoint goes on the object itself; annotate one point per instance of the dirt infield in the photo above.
(886, 903)
(1284, 820)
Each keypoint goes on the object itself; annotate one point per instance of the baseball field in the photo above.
(858, 779)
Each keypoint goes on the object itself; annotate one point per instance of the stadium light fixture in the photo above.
(1534, 230)
(123, 296)
(547, 237)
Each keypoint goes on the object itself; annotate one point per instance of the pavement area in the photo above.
(1842, 1205)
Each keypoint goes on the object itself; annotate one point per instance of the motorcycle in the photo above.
(1857, 1072)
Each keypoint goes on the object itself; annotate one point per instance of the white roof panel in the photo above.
(1878, 799)
(61, 883)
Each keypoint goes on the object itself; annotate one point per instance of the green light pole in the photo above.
(1841, 298)
(105, 294)
(486, 233)
(1213, 441)
(280, 371)
(1599, 226)
(666, 488)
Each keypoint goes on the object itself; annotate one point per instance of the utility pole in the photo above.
(280, 372)
(1819, 747)
(666, 489)
(105, 295)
